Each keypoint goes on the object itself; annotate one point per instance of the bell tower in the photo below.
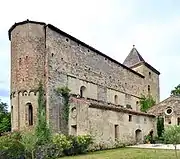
(151, 76)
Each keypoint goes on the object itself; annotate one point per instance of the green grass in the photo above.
(128, 153)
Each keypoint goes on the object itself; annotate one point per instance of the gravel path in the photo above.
(156, 146)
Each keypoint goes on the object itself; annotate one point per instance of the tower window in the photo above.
(130, 118)
(82, 91)
(30, 114)
(116, 99)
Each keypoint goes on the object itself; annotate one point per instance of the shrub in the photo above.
(48, 151)
(147, 139)
(29, 141)
(72, 145)
(10, 147)
(172, 136)
(80, 144)
(62, 142)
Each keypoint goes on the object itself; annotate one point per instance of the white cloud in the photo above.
(111, 26)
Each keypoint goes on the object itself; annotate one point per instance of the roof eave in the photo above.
(21, 23)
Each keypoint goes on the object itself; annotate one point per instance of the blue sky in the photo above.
(111, 26)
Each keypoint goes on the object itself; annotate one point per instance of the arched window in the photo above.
(30, 114)
(82, 91)
(116, 99)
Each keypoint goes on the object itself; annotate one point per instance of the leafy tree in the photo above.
(172, 136)
(146, 102)
(5, 118)
(176, 90)
(160, 126)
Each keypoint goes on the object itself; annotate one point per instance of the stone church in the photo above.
(105, 94)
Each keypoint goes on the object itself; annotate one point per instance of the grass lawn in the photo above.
(129, 153)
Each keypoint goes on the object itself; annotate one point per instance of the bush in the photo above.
(72, 145)
(80, 144)
(62, 142)
(10, 147)
(48, 151)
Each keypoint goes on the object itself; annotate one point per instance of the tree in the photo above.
(160, 126)
(176, 90)
(146, 102)
(172, 136)
(5, 118)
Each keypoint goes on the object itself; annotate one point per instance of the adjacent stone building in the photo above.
(169, 109)
(105, 94)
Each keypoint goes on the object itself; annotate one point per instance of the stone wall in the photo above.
(42, 52)
(27, 68)
(151, 79)
(172, 103)
(101, 122)
(20, 109)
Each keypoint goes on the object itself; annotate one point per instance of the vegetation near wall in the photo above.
(146, 102)
(39, 142)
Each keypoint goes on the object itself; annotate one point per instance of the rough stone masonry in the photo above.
(105, 94)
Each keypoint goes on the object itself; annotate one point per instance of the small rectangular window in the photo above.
(130, 118)
(74, 130)
(116, 131)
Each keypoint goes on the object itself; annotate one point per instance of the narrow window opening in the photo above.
(30, 114)
(137, 106)
(20, 61)
(178, 121)
(82, 91)
(74, 130)
(116, 99)
(52, 54)
(149, 89)
(116, 131)
(149, 74)
(130, 118)
(67, 40)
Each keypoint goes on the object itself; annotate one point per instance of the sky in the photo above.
(111, 26)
